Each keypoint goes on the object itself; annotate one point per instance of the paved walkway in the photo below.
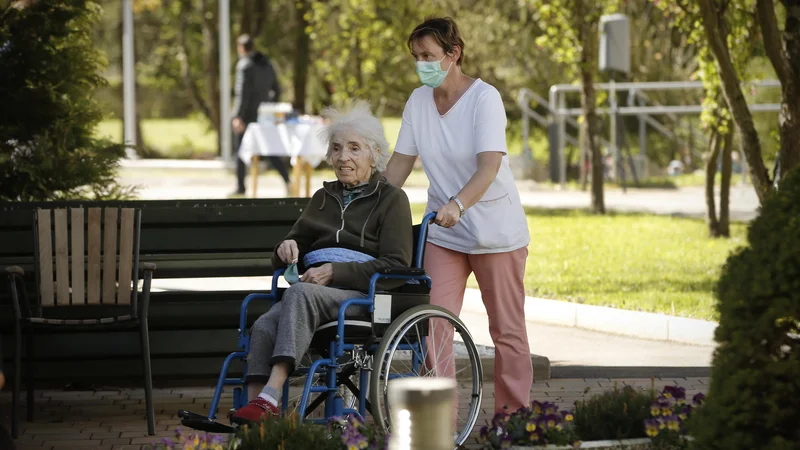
(218, 183)
(113, 419)
(572, 351)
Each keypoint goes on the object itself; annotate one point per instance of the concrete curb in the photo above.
(642, 325)
(541, 367)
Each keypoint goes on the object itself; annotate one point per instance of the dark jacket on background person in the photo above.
(377, 223)
(255, 83)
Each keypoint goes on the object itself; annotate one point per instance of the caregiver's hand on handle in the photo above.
(448, 215)
(288, 251)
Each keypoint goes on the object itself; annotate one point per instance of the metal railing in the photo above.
(561, 116)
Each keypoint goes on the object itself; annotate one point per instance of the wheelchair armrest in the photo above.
(402, 271)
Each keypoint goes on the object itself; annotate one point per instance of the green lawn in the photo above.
(171, 138)
(629, 261)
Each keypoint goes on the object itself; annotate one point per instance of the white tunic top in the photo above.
(448, 146)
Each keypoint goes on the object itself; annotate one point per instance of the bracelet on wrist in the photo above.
(460, 205)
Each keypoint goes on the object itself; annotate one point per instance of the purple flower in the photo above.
(506, 441)
(567, 416)
(673, 423)
(536, 407)
(552, 421)
(549, 408)
(499, 419)
(651, 427)
(484, 433)
(685, 411)
(699, 399)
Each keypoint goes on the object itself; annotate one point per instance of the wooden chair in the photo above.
(96, 281)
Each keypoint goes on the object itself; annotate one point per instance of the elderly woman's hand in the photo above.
(288, 251)
(448, 215)
(322, 275)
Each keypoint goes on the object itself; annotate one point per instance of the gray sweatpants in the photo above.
(284, 333)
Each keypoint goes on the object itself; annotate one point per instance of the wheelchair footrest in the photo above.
(202, 423)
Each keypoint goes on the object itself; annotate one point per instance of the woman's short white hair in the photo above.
(357, 118)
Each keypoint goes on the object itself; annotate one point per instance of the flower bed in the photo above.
(542, 427)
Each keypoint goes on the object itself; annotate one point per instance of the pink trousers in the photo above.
(500, 278)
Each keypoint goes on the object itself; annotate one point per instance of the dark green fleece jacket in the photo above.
(377, 223)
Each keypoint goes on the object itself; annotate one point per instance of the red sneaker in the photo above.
(254, 411)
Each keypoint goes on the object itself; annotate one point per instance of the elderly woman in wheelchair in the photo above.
(361, 301)
(351, 228)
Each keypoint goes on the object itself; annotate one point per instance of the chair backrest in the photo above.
(96, 252)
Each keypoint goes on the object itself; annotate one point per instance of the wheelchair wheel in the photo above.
(402, 353)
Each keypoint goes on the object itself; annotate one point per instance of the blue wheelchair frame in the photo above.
(333, 402)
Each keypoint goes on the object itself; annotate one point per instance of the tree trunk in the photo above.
(246, 19)
(187, 77)
(784, 54)
(716, 33)
(711, 174)
(790, 102)
(725, 189)
(588, 38)
(301, 57)
(211, 62)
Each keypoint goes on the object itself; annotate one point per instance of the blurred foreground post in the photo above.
(422, 409)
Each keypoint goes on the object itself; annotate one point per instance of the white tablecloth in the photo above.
(293, 140)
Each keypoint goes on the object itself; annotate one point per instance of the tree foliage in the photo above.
(50, 71)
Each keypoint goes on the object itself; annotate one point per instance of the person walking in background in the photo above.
(255, 83)
(457, 126)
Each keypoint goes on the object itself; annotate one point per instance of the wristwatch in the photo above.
(460, 205)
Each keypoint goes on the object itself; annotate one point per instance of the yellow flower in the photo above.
(666, 411)
(568, 417)
(530, 426)
(652, 432)
(655, 411)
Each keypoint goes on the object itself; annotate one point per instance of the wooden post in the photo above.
(297, 175)
(254, 175)
(307, 170)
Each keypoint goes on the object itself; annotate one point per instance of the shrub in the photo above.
(615, 414)
(50, 70)
(753, 397)
(540, 424)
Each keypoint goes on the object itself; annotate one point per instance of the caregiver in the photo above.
(456, 125)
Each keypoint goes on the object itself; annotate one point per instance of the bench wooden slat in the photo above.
(93, 282)
(62, 257)
(125, 256)
(78, 291)
(45, 258)
(110, 255)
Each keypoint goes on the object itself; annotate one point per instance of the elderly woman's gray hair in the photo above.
(358, 119)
